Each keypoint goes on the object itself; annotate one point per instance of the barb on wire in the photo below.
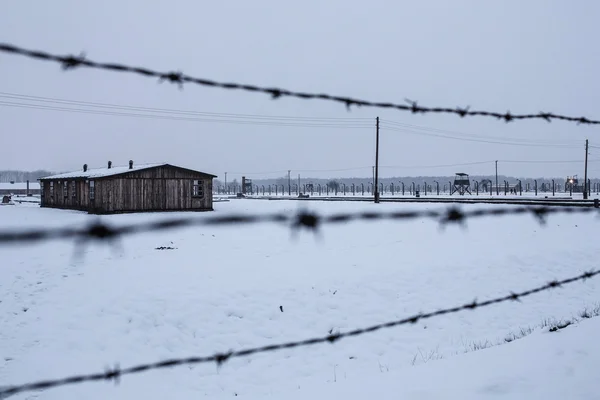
(308, 220)
(220, 358)
(70, 62)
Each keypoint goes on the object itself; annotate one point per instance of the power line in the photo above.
(418, 166)
(221, 357)
(258, 173)
(190, 119)
(470, 135)
(480, 140)
(334, 170)
(174, 111)
(487, 162)
(302, 170)
(347, 122)
(70, 62)
(545, 161)
(436, 166)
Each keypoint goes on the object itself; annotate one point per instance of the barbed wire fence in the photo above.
(100, 231)
(311, 221)
(221, 357)
(69, 62)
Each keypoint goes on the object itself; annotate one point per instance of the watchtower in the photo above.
(572, 183)
(246, 185)
(462, 184)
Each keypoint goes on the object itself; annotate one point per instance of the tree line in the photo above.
(23, 176)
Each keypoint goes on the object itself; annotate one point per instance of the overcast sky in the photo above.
(517, 55)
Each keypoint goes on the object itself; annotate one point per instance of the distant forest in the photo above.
(23, 176)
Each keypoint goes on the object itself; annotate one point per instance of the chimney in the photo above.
(130, 164)
(109, 164)
(84, 167)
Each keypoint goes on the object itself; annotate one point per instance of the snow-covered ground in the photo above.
(221, 288)
(432, 196)
(542, 366)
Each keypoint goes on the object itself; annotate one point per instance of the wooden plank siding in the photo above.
(164, 188)
(78, 202)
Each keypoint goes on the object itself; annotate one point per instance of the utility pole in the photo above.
(289, 183)
(585, 181)
(373, 175)
(376, 188)
(497, 190)
(226, 182)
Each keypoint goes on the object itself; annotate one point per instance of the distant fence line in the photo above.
(400, 188)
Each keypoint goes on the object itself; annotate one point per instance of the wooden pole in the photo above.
(376, 188)
(585, 178)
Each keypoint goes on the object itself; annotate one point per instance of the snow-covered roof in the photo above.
(18, 185)
(102, 172)
(94, 173)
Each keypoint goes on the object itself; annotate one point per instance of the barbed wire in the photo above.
(303, 219)
(69, 62)
(220, 358)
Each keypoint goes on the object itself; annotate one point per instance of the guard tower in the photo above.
(462, 184)
(572, 182)
(246, 185)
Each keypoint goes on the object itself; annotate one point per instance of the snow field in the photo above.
(222, 288)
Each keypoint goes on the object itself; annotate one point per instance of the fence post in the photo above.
(520, 188)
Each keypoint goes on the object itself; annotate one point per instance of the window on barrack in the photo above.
(92, 190)
(65, 189)
(73, 191)
(198, 188)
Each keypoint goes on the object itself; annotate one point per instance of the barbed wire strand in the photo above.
(69, 62)
(220, 358)
(308, 220)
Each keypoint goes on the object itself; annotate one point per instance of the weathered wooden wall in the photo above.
(59, 200)
(158, 189)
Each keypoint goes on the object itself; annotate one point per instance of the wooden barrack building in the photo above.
(131, 188)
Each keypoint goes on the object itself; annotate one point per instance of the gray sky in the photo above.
(522, 56)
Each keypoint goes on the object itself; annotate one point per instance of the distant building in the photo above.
(19, 188)
(572, 184)
(132, 188)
